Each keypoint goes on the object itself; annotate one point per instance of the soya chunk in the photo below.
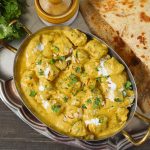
(113, 66)
(61, 46)
(91, 68)
(33, 49)
(80, 56)
(46, 70)
(78, 129)
(76, 37)
(96, 49)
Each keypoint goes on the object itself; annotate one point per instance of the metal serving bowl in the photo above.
(58, 136)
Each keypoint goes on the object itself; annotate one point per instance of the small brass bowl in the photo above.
(65, 19)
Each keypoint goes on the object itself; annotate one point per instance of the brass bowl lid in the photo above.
(55, 7)
(60, 15)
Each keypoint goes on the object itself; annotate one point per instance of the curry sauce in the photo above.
(74, 85)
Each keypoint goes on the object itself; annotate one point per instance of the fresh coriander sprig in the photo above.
(32, 93)
(128, 85)
(56, 108)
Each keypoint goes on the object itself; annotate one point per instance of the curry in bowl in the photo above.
(73, 85)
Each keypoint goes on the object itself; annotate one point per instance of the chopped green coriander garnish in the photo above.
(65, 99)
(124, 93)
(73, 79)
(106, 77)
(84, 106)
(118, 100)
(97, 103)
(52, 61)
(89, 101)
(41, 72)
(55, 108)
(97, 68)
(62, 58)
(78, 70)
(39, 62)
(100, 120)
(98, 79)
(55, 49)
(128, 85)
(76, 54)
(32, 93)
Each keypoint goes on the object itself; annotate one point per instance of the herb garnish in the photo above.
(39, 62)
(62, 58)
(101, 120)
(41, 72)
(89, 101)
(77, 54)
(11, 10)
(52, 61)
(97, 103)
(55, 49)
(97, 68)
(73, 79)
(78, 70)
(118, 100)
(32, 93)
(56, 108)
(84, 106)
(128, 85)
(65, 99)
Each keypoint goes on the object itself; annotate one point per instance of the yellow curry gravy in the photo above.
(74, 85)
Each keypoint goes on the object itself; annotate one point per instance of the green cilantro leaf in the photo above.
(56, 108)
(10, 10)
(65, 99)
(97, 103)
(62, 58)
(118, 100)
(77, 54)
(89, 101)
(55, 49)
(78, 70)
(73, 79)
(39, 62)
(52, 61)
(41, 72)
(32, 93)
(128, 85)
(97, 68)
(84, 106)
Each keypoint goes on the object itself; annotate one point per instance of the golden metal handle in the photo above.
(23, 26)
(6, 45)
(141, 141)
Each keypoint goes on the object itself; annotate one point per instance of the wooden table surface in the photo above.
(16, 135)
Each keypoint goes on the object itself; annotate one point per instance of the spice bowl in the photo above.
(57, 12)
